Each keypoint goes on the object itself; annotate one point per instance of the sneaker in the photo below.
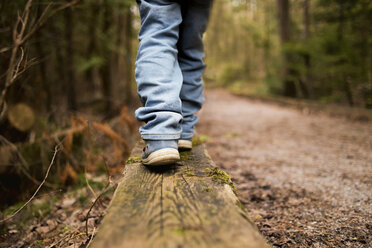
(184, 144)
(160, 152)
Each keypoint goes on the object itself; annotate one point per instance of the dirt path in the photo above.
(305, 179)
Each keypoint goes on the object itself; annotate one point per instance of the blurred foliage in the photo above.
(243, 48)
(82, 53)
(83, 71)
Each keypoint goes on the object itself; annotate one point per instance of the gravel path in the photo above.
(305, 179)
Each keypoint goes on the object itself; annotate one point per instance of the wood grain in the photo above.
(182, 205)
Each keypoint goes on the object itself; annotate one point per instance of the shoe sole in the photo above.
(184, 145)
(164, 156)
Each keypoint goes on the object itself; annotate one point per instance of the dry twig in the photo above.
(91, 238)
(37, 190)
(87, 182)
(20, 36)
(98, 197)
(24, 165)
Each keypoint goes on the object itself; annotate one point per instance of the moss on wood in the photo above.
(220, 177)
(133, 160)
(240, 205)
(185, 155)
(189, 172)
(199, 140)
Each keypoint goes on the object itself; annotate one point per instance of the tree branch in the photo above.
(20, 36)
(37, 190)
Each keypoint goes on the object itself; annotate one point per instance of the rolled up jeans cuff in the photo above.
(152, 136)
(187, 136)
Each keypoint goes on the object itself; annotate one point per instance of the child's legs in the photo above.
(195, 14)
(158, 75)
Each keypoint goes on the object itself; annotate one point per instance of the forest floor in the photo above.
(67, 211)
(305, 179)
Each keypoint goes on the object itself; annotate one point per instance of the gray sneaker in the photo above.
(160, 152)
(184, 145)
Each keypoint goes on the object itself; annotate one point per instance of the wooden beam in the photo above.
(189, 204)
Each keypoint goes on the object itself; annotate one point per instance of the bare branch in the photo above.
(98, 197)
(15, 28)
(15, 73)
(37, 190)
(27, 65)
(24, 165)
(91, 237)
(24, 21)
(20, 36)
(88, 184)
(44, 18)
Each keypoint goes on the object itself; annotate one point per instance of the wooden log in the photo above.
(21, 116)
(189, 204)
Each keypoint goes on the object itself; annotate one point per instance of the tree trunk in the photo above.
(118, 72)
(42, 66)
(284, 20)
(307, 59)
(69, 61)
(105, 69)
(92, 46)
(285, 37)
(345, 80)
(128, 56)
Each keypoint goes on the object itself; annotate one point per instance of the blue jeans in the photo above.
(169, 66)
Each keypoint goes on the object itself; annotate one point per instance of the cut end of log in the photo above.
(21, 117)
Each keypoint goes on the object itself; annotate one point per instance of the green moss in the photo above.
(97, 185)
(39, 242)
(231, 135)
(11, 209)
(82, 198)
(82, 182)
(199, 139)
(180, 231)
(133, 160)
(185, 155)
(192, 173)
(3, 230)
(220, 177)
(38, 208)
(240, 205)
(189, 172)
(43, 208)
(65, 229)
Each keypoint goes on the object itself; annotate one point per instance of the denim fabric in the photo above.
(169, 66)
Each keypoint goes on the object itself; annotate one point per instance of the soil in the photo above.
(304, 178)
